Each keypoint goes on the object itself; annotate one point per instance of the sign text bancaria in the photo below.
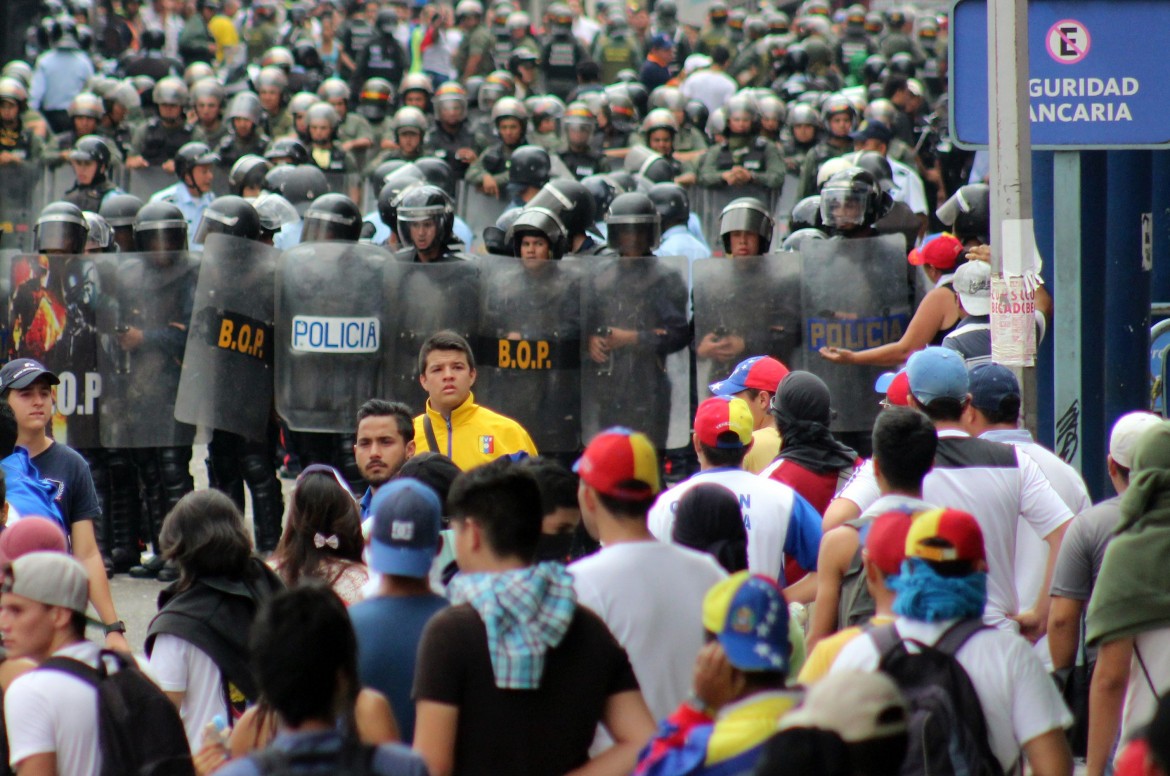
(1081, 99)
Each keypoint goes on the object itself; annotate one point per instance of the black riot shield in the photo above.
(228, 365)
(423, 299)
(854, 295)
(635, 361)
(53, 302)
(331, 333)
(142, 325)
(744, 306)
(528, 347)
(478, 210)
(21, 199)
(145, 182)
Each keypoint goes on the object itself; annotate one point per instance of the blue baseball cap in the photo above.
(937, 373)
(661, 41)
(748, 615)
(990, 385)
(405, 536)
(763, 373)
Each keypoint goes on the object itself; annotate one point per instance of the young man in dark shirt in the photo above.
(515, 676)
(26, 389)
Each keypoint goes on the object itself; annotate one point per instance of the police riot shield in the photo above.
(57, 181)
(784, 204)
(21, 199)
(528, 347)
(142, 326)
(744, 306)
(226, 381)
(52, 316)
(331, 333)
(143, 183)
(854, 295)
(709, 204)
(478, 210)
(423, 299)
(636, 363)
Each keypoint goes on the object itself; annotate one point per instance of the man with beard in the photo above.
(384, 440)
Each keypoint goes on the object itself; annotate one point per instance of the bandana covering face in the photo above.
(526, 612)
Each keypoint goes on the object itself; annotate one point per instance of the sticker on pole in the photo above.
(1068, 41)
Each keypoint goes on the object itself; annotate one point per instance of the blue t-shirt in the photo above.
(388, 630)
(390, 759)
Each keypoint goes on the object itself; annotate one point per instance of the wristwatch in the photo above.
(114, 627)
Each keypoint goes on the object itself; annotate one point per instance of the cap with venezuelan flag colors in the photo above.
(621, 463)
(724, 422)
(749, 617)
(945, 535)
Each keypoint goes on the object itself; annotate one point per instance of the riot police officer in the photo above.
(19, 144)
(91, 158)
(562, 53)
(529, 169)
(192, 193)
(426, 216)
(851, 203)
(354, 132)
(233, 460)
(155, 143)
(451, 138)
(715, 33)
(245, 115)
(383, 57)
(674, 211)
(271, 85)
(207, 96)
(120, 212)
(407, 130)
(582, 159)
(475, 53)
(490, 170)
(839, 116)
(287, 150)
(246, 177)
(574, 207)
(744, 157)
(85, 111)
(332, 217)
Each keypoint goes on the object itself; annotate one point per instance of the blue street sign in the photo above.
(1097, 75)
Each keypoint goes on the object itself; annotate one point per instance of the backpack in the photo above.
(948, 730)
(139, 729)
(351, 760)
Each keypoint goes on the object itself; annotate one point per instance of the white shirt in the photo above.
(908, 187)
(710, 87)
(1140, 702)
(1019, 699)
(997, 495)
(585, 29)
(179, 666)
(51, 711)
(650, 594)
(779, 522)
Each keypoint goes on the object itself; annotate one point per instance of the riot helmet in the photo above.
(289, 149)
(672, 203)
(375, 98)
(850, 200)
(120, 212)
(332, 217)
(101, 237)
(422, 204)
(882, 110)
(61, 228)
(602, 190)
(633, 225)
(93, 148)
(278, 56)
(407, 119)
(697, 114)
(659, 118)
(245, 105)
(230, 215)
(806, 214)
(417, 83)
(451, 102)
(668, 97)
(968, 213)
(13, 90)
(302, 185)
(538, 222)
(322, 114)
(170, 91)
(386, 22)
(509, 108)
(195, 71)
(248, 172)
(190, 156)
(378, 175)
(495, 238)
(437, 172)
(649, 165)
(306, 56)
(395, 184)
(878, 166)
(570, 201)
(902, 63)
(746, 214)
(836, 105)
(530, 166)
(301, 102)
(274, 212)
(18, 69)
(497, 85)
(875, 65)
(795, 240)
(86, 105)
(160, 228)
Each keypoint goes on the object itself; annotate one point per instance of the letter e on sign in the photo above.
(1068, 41)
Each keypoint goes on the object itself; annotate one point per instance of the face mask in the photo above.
(554, 547)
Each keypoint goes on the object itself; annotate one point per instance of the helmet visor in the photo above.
(843, 208)
(161, 236)
(632, 238)
(60, 236)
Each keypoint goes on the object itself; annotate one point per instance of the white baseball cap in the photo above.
(1126, 432)
(973, 285)
(856, 705)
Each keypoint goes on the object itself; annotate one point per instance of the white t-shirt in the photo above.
(650, 594)
(51, 711)
(710, 87)
(908, 187)
(977, 476)
(779, 522)
(179, 666)
(1140, 701)
(1019, 699)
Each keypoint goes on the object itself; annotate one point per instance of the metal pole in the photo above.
(1010, 136)
(1067, 290)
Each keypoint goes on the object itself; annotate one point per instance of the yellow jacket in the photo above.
(474, 436)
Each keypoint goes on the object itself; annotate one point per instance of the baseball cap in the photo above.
(941, 253)
(31, 534)
(936, 373)
(896, 387)
(621, 463)
(990, 384)
(720, 416)
(763, 373)
(50, 578)
(873, 130)
(945, 535)
(885, 541)
(748, 615)
(405, 536)
(973, 285)
(23, 372)
(856, 705)
(1126, 432)
(661, 41)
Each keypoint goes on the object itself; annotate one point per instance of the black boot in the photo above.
(150, 470)
(124, 511)
(267, 501)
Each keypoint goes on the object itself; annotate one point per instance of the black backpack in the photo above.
(948, 731)
(139, 729)
(351, 760)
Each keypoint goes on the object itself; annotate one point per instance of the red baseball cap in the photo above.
(941, 253)
(621, 463)
(885, 542)
(943, 535)
(720, 416)
(896, 387)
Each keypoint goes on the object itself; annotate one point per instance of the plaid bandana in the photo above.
(526, 612)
